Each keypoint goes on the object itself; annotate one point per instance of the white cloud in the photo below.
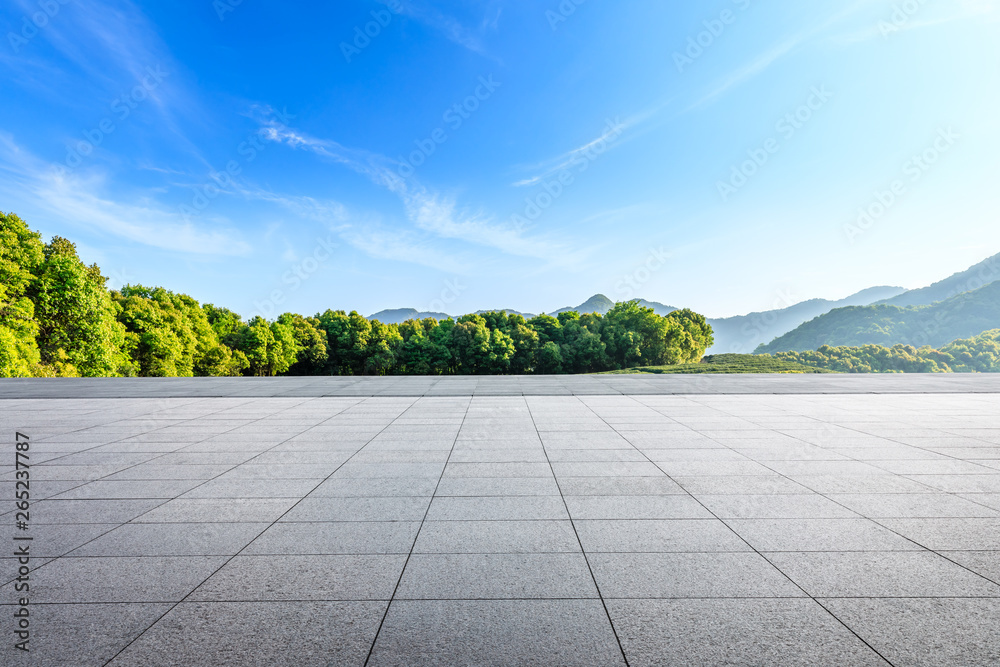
(77, 200)
(428, 211)
(448, 26)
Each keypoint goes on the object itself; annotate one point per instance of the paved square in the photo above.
(507, 521)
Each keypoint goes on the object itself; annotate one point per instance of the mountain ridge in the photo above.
(962, 316)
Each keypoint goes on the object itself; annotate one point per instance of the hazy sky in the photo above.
(466, 155)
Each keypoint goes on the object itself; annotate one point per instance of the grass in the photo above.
(730, 363)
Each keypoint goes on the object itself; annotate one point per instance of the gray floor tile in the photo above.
(90, 511)
(173, 539)
(263, 578)
(740, 485)
(819, 535)
(949, 534)
(811, 506)
(56, 540)
(636, 507)
(264, 634)
(401, 508)
(132, 489)
(497, 537)
(702, 575)
(497, 633)
(925, 632)
(735, 632)
(218, 510)
(126, 579)
(658, 536)
(619, 486)
(529, 469)
(491, 508)
(82, 635)
(985, 563)
(496, 576)
(253, 488)
(498, 486)
(881, 574)
(353, 537)
(912, 505)
(375, 487)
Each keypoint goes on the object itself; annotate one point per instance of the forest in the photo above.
(59, 319)
(980, 354)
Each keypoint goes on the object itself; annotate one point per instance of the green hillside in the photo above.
(731, 363)
(962, 316)
(980, 275)
(976, 355)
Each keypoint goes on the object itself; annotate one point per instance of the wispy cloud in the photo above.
(78, 199)
(448, 26)
(773, 55)
(401, 247)
(925, 17)
(430, 211)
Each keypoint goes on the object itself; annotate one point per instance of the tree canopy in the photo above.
(58, 318)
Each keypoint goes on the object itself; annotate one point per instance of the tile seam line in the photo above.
(165, 501)
(583, 552)
(399, 581)
(742, 539)
(174, 605)
(880, 521)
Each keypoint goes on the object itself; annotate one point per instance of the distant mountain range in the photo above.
(962, 316)
(595, 304)
(884, 315)
(743, 333)
(960, 306)
(602, 304)
(980, 275)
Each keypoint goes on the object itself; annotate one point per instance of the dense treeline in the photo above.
(57, 318)
(974, 355)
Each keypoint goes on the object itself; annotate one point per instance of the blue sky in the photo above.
(274, 157)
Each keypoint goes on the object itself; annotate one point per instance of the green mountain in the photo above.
(743, 333)
(400, 315)
(602, 304)
(962, 316)
(980, 275)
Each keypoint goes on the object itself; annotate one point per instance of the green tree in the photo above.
(21, 255)
(699, 331)
(549, 361)
(470, 343)
(310, 340)
(77, 318)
